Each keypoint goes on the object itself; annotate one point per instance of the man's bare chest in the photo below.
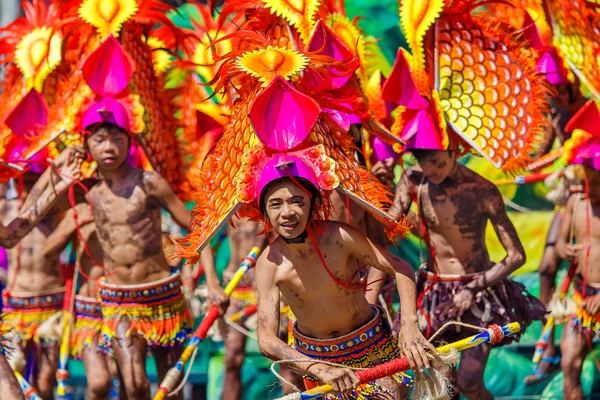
(443, 209)
(109, 208)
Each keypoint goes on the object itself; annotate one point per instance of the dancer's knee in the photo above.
(99, 384)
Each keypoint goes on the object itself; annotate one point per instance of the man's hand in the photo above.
(463, 300)
(591, 305)
(67, 155)
(569, 251)
(342, 380)
(187, 277)
(70, 170)
(217, 297)
(413, 346)
(384, 171)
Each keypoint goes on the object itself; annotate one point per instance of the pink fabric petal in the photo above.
(28, 115)
(586, 119)
(109, 68)
(382, 151)
(400, 87)
(106, 110)
(422, 133)
(324, 41)
(551, 66)
(281, 166)
(589, 155)
(282, 117)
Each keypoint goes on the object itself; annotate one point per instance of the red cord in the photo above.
(345, 284)
(73, 203)
(588, 237)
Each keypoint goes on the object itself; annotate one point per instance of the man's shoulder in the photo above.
(472, 178)
(415, 173)
(153, 182)
(266, 260)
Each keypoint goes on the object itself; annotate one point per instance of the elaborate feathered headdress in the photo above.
(295, 89)
(467, 80)
(98, 41)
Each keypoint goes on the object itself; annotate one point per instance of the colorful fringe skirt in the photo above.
(507, 301)
(584, 322)
(156, 311)
(24, 312)
(88, 324)
(366, 347)
(243, 295)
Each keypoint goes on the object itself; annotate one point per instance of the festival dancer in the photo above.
(341, 306)
(582, 214)
(324, 264)
(40, 202)
(87, 309)
(36, 285)
(459, 281)
(126, 207)
(448, 102)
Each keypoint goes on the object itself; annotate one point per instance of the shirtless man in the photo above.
(37, 204)
(139, 294)
(456, 205)
(578, 333)
(324, 298)
(36, 287)
(88, 312)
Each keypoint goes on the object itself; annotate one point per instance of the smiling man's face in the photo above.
(288, 208)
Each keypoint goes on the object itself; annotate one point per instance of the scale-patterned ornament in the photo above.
(576, 27)
(484, 91)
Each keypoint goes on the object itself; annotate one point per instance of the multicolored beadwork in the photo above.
(582, 320)
(157, 312)
(366, 347)
(88, 324)
(23, 313)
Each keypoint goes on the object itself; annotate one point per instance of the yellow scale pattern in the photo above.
(484, 91)
(576, 31)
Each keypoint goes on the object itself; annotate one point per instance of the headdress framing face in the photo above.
(92, 80)
(297, 84)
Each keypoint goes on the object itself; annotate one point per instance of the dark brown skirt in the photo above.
(505, 302)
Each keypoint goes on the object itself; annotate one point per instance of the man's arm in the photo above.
(159, 187)
(183, 217)
(15, 231)
(402, 197)
(66, 156)
(412, 342)
(507, 234)
(564, 248)
(66, 229)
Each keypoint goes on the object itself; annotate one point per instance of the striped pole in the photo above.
(175, 373)
(28, 390)
(62, 373)
(401, 364)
